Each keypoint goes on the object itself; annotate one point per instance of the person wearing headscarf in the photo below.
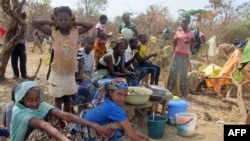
(30, 113)
(183, 40)
(109, 112)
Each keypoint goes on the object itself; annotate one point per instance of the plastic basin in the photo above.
(138, 95)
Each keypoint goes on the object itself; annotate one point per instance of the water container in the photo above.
(186, 123)
(176, 106)
(156, 126)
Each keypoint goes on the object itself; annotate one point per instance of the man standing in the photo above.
(19, 52)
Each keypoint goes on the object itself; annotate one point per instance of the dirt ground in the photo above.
(207, 128)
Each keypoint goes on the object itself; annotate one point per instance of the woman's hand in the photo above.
(187, 41)
(144, 137)
(103, 130)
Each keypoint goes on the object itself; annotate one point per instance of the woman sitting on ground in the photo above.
(110, 113)
(31, 110)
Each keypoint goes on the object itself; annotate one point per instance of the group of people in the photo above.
(74, 75)
(128, 56)
(71, 67)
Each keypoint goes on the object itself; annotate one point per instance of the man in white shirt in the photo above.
(131, 55)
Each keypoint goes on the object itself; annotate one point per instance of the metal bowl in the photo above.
(157, 90)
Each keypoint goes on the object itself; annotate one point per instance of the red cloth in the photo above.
(2, 31)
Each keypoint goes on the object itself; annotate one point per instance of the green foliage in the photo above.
(191, 12)
(47, 1)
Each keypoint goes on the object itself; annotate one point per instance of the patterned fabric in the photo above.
(99, 51)
(39, 135)
(85, 94)
(100, 27)
(101, 92)
(179, 67)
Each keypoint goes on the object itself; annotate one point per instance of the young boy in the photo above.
(144, 61)
(131, 58)
(102, 36)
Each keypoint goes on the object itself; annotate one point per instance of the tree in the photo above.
(154, 20)
(36, 9)
(13, 9)
(91, 7)
(223, 8)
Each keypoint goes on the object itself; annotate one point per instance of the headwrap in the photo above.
(19, 126)
(117, 83)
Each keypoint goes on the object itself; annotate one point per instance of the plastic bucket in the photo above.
(186, 123)
(156, 126)
(176, 106)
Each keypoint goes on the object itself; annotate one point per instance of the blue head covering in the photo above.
(19, 126)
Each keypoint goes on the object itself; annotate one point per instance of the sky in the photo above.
(118, 7)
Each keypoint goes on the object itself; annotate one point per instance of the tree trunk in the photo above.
(13, 35)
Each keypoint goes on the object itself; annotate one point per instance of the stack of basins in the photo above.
(158, 92)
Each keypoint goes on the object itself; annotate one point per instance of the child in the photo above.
(8, 110)
(38, 41)
(144, 61)
(64, 33)
(110, 113)
(112, 64)
(87, 82)
(30, 112)
(131, 62)
(100, 48)
(127, 29)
